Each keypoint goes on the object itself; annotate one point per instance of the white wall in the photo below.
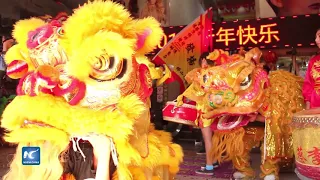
(183, 12)
(263, 9)
(179, 12)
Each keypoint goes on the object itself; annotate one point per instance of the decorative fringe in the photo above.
(227, 144)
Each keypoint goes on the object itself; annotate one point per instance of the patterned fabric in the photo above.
(311, 83)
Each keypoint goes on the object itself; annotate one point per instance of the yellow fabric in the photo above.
(228, 143)
(252, 138)
(284, 100)
(115, 107)
(306, 140)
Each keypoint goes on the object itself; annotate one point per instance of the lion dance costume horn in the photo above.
(87, 75)
(228, 94)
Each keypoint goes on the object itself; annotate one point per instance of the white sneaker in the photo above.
(238, 175)
(270, 177)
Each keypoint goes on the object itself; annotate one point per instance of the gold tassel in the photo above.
(227, 144)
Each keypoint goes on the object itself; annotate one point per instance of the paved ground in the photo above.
(6, 155)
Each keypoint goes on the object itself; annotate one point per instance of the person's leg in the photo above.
(207, 134)
(2, 76)
(207, 138)
(202, 150)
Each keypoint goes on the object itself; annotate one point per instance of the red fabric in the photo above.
(182, 112)
(146, 89)
(312, 172)
(158, 61)
(308, 91)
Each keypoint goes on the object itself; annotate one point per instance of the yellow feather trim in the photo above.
(103, 42)
(16, 53)
(74, 120)
(154, 38)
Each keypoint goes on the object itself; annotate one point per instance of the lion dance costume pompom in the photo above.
(87, 75)
(233, 90)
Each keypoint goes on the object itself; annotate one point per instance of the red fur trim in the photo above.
(142, 38)
(20, 85)
(50, 83)
(58, 91)
(34, 38)
(34, 85)
(80, 95)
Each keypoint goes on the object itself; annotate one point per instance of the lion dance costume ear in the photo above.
(87, 75)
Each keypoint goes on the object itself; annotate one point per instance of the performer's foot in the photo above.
(270, 177)
(240, 176)
(202, 151)
(205, 172)
(215, 165)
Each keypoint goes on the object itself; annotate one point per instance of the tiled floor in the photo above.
(7, 153)
(190, 152)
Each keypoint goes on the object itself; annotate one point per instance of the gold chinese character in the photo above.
(224, 35)
(315, 155)
(247, 33)
(265, 30)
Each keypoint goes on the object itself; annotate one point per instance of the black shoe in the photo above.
(201, 151)
(215, 165)
(205, 172)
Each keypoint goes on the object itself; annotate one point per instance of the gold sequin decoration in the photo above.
(127, 87)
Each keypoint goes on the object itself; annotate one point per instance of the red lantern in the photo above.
(270, 57)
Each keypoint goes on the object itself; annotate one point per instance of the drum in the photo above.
(306, 143)
(185, 114)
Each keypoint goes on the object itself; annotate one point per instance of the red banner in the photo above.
(183, 51)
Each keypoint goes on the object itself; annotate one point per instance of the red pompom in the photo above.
(270, 57)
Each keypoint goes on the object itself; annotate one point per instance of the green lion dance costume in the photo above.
(87, 75)
(229, 93)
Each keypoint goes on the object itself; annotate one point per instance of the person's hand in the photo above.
(252, 117)
(101, 144)
(307, 105)
(260, 118)
(256, 117)
(179, 101)
(101, 149)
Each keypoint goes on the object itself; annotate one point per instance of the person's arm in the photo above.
(102, 159)
(309, 93)
(256, 117)
(101, 150)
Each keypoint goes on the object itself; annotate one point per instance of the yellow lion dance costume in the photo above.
(87, 75)
(229, 93)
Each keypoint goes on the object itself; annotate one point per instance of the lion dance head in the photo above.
(234, 88)
(86, 74)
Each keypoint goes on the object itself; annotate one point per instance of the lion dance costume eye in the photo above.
(87, 74)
